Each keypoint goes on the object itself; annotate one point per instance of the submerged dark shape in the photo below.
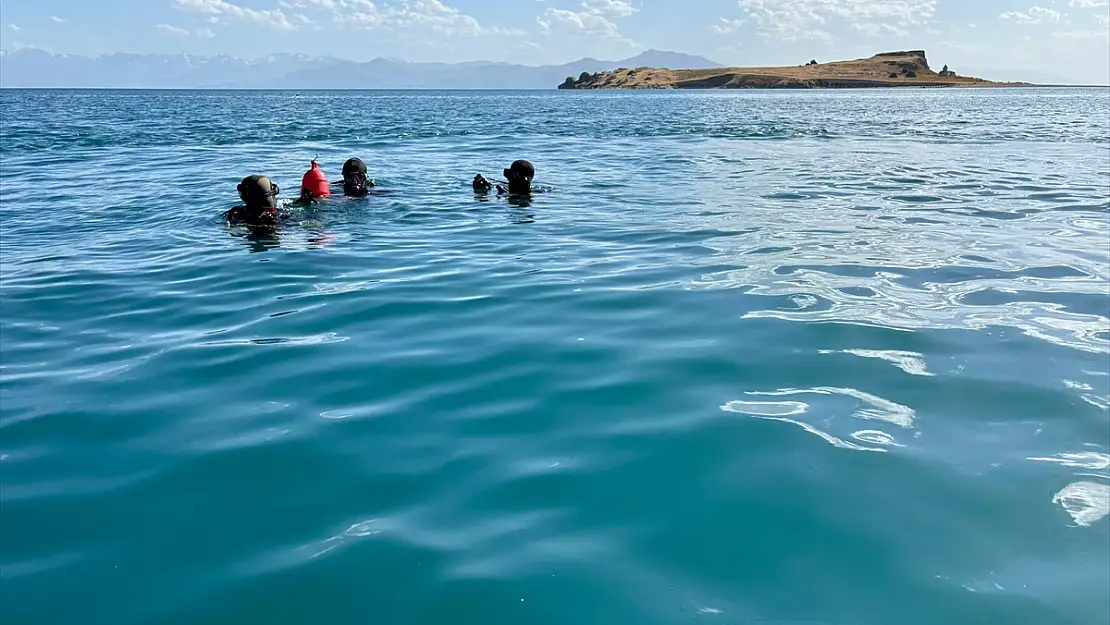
(522, 201)
(262, 239)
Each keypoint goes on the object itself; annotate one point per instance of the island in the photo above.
(888, 69)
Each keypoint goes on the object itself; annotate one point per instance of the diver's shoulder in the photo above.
(242, 216)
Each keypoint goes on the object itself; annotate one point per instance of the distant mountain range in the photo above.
(31, 68)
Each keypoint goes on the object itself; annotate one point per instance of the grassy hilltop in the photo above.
(889, 69)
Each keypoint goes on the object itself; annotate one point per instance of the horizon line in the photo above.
(545, 89)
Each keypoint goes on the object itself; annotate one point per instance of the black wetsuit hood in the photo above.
(259, 196)
(354, 178)
(258, 192)
(520, 175)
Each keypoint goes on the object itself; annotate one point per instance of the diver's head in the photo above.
(520, 175)
(258, 193)
(354, 177)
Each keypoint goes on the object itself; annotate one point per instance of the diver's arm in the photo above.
(241, 216)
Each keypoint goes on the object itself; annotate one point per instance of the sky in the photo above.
(1060, 38)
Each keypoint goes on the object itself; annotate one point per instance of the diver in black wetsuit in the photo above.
(519, 176)
(259, 197)
(355, 182)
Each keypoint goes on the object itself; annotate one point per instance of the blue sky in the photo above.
(1066, 38)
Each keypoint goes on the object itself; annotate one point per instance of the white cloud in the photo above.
(594, 21)
(57, 20)
(805, 19)
(304, 4)
(363, 5)
(1083, 35)
(816, 34)
(173, 30)
(583, 22)
(1035, 15)
(610, 8)
(879, 30)
(725, 26)
(14, 27)
(433, 15)
(219, 10)
(437, 16)
(1088, 4)
(204, 33)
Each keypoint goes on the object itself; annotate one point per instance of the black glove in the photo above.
(481, 184)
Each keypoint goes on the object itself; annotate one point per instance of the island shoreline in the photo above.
(895, 70)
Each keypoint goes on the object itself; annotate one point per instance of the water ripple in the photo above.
(430, 407)
(870, 407)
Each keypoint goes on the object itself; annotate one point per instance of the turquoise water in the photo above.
(777, 358)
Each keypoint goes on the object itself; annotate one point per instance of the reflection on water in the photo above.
(1086, 502)
(260, 239)
(868, 407)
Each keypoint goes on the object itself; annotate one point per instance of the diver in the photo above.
(519, 176)
(259, 207)
(315, 186)
(355, 183)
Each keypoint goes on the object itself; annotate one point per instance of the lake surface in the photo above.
(759, 357)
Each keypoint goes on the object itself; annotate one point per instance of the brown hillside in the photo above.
(889, 69)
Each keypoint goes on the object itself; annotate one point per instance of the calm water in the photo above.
(776, 358)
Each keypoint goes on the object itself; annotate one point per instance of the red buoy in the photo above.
(315, 181)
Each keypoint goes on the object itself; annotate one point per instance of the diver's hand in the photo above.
(481, 184)
(306, 199)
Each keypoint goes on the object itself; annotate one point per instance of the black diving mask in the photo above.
(355, 184)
